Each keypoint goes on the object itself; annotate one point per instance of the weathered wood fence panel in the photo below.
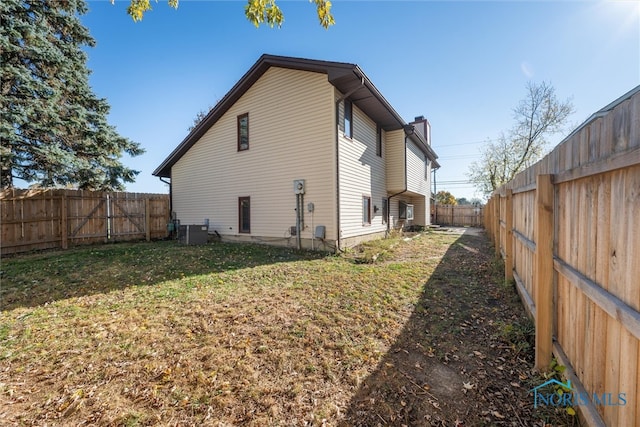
(583, 293)
(459, 215)
(58, 218)
(86, 216)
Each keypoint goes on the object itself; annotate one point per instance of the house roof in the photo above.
(347, 78)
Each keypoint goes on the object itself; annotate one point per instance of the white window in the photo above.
(406, 211)
(366, 210)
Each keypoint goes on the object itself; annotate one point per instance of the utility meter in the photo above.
(298, 186)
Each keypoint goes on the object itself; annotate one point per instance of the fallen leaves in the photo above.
(69, 404)
(245, 334)
(235, 344)
(498, 415)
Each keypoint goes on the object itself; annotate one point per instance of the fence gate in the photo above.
(86, 214)
(125, 217)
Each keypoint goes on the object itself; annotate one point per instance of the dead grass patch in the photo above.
(142, 334)
(163, 334)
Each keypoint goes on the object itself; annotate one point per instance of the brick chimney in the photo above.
(423, 127)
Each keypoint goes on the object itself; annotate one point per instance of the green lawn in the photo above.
(135, 334)
(399, 332)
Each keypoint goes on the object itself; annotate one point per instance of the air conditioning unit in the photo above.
(298, 186)
(193, 234)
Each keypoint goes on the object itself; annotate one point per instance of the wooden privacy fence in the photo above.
(568, 229)
(459, 215)
(44, 219)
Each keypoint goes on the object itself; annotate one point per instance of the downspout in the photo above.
(337, 130)
(435, 198)
(408, 130)
(170, 198)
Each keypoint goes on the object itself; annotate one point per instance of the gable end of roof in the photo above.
(345, 77)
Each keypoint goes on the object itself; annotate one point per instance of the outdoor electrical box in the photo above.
(298, 186)
(193, 234)
(320, 231)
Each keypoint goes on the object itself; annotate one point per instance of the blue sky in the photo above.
(462, 64)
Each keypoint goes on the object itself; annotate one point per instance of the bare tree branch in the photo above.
(538, 115)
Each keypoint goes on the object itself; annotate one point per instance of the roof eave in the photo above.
(376, 93)
(341, 75)
(252, 75)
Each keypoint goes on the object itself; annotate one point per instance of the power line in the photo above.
(456, 181)
(460, 156)
(466, 143)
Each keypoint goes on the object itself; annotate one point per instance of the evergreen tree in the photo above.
(53, 128)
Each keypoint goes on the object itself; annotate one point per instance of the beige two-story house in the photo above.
(304, 153)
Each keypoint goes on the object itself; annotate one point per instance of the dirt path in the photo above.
(464, 357)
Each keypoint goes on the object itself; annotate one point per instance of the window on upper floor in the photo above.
(243, 132)
(348, 118)
(366, 210)
(379, 141)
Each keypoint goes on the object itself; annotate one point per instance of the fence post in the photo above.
(487, 216)
(496, 224)
(64, 227)
(508, 241)
(543, 271)
(147, 218)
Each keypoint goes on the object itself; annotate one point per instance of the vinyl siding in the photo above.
(419, 183)
(416, 181)
(421, 212)
(362, 173)
(291, 136)
(395, 173)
